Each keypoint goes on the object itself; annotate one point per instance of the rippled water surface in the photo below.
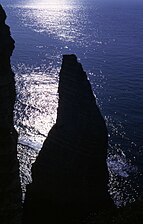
(107, 38)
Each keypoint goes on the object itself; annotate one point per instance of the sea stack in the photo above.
(10, 189)
(70, 175)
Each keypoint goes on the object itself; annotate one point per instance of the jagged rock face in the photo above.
(6, 44)
(10, 190)
(7, 83)
(70, 175)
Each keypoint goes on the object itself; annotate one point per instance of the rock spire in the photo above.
(70, 175)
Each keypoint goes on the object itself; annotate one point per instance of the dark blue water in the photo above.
(107, 37)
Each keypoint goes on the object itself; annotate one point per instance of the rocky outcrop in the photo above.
(70, 175)
(10, 190)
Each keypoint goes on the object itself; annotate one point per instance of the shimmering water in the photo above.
(107, 36)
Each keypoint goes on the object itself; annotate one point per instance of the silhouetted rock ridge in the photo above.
(10, 190)
(70, 175)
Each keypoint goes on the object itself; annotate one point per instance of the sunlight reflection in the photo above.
(61, 20)
(36, 106)
(47, 4)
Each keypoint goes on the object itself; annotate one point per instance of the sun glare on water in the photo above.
(54, 17)
(47, 4)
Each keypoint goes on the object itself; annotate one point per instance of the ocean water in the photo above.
(107, 37)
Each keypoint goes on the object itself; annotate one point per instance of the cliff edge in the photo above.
(10, 189)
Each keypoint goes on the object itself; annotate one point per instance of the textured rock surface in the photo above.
(10, 190)
(70, 175)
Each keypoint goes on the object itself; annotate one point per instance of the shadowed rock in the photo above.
(10, 190)
(70, 175)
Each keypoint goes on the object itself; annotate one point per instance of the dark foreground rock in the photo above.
(10, 190)
(70, 175)
(130, 214)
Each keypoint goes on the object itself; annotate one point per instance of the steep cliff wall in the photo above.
(70, 175)
(10, 190)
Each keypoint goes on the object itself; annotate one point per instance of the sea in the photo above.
(107, 37)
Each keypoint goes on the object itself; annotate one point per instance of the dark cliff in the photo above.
(10, 190)
(70, 175)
